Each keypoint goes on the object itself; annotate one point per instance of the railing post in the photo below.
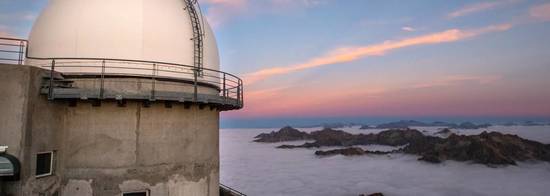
(224, 89)
(50, 88)
(239, 91)
(101, 90)
(195, 97)
(242, 92)
(20, 60)
(154, 80)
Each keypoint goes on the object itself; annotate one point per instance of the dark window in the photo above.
(44, 164)
(142, 193)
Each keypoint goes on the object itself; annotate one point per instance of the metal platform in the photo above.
(225, 90)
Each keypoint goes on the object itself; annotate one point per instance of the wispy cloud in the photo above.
(5, 32)
(219, 11)
(540, 12)
(343, 55)
(479, 7)
(407, 28)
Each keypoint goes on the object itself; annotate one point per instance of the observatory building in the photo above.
(113, 98)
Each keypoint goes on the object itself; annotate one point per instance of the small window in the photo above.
(44, 164)
(136, 193)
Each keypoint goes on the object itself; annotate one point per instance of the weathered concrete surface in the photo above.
(108, 149)
(141, 86)
(13, 102)
(13, 106)
(28, 124)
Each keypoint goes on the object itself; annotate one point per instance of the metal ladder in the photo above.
(198, 34)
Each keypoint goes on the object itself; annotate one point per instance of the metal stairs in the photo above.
(198, 33)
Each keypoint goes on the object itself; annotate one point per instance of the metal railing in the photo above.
(12, 50)
(229, 87)
(228, 191)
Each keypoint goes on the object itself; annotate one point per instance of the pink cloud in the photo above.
(343, 55)
(458, 79)
(540, 12)
(479, 7)
(454, 95)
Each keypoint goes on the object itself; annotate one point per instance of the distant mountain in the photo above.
(510, 124)
(336, 125)
(532, 123)
(469, 125)
(403, 124)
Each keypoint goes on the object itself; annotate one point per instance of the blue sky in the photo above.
(338, 59)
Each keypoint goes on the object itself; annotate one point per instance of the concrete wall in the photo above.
(108, 149)
(28, 124)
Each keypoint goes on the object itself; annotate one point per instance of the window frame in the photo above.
(52, 155)
(147, 192)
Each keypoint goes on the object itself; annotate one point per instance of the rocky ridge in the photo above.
(489, 148)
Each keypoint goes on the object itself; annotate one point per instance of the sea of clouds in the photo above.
(261, 169)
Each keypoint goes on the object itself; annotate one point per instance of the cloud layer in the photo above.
(479, 7)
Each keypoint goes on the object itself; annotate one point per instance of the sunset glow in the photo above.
(326, 58)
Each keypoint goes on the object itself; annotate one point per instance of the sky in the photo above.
(373, 59)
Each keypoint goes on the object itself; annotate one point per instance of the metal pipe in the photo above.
(20, 52)
(50, 88)
(102, 79)
(154, 80)
(195, 97)
(224, 93)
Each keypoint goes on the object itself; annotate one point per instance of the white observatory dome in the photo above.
(148, 30)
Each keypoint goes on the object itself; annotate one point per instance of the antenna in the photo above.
(198, 32)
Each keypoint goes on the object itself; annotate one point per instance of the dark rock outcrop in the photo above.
(344, 151)
(492, 148)
(327, 137)
(330, 137)
(365, 127)
(373, 194)
(351, 151)
(284, 134)
(444, 132)
(486, 148)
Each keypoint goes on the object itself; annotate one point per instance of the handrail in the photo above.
(12, 50)
(231, 190)
(225, 82)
